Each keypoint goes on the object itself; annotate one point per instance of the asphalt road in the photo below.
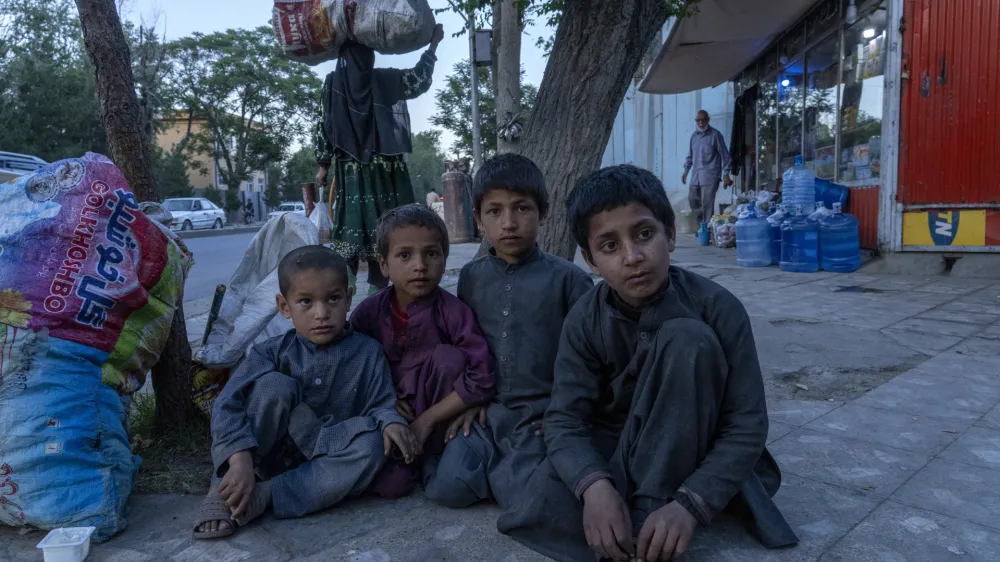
(215, 260)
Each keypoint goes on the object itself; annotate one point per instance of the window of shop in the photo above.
(819, 146)
(821, 94)
(767, 135)
(790, 112)
(863, 69)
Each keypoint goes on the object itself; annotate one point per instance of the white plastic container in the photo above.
(70, 544)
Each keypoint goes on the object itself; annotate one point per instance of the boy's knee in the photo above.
(460, 479)
(275, 389)
(448, 360)
(688, 333)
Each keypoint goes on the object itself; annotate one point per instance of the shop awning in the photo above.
(718, 41)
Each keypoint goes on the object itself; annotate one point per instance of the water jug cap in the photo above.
(798, 160)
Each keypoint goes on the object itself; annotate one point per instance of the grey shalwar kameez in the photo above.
(668, 403)
(311, 416)
(520, 310)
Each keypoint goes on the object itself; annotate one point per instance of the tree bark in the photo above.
(508, 82)
(597, 49)
(130, 150)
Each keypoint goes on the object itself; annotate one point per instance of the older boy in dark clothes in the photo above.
(658, 419)
(520, 296)
(307, 418)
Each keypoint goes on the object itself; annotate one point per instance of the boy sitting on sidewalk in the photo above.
(440, 361)
(307, 418)
(658, 419)
(520, 296)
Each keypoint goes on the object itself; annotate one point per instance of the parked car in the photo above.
(298, 208)
(13, 165)
(194, 212)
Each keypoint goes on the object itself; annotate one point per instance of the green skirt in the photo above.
(363, 193)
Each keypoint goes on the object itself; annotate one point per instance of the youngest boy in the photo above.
(307, 418)
(439, 358)
(658, 420)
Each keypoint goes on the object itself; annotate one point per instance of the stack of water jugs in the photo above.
(793, 240)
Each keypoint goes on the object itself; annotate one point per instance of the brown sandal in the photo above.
(213, 509)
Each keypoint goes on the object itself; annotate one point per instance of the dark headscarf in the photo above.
(365, 107)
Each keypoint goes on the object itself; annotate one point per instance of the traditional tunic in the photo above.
(442, 351)
(666, 402)
(520, 309)
(369, 172)
(312, 417)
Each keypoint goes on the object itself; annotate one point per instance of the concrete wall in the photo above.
(653, 132)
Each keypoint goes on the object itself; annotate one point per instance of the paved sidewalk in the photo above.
(884, 393)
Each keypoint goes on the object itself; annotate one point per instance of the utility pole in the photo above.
(477, 146)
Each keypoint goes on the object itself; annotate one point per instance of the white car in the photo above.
(13, 166)
(195, 212)
(288, 207)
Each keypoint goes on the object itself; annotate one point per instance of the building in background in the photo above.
(175, 129)
(895, 99)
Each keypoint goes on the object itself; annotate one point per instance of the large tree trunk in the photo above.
(508, 66)
(597, 49)
(130, 150)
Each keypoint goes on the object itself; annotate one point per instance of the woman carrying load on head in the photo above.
(363, 133)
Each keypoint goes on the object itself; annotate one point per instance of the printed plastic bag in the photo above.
(249, 311)
(312, 31)
(305, 30)
(88, 290)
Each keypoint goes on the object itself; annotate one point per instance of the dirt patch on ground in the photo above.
(824, 383)
(174, 462)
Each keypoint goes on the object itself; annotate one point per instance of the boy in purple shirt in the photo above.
(439, 359)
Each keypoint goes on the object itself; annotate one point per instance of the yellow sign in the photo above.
(945, 228)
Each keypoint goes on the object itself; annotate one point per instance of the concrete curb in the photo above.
(208, 233)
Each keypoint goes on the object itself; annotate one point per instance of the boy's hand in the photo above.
(422, 428)
(237, 485)
(399, 435)
(404, 409)
(606, 521)
(666, 534)
(464, 422)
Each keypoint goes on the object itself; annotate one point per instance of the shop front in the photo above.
(889, 98)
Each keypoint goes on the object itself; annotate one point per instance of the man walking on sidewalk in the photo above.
(708, 157)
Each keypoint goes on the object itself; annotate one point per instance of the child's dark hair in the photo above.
(512, 172)
(410, 215)
(309, 258)
(611, 188)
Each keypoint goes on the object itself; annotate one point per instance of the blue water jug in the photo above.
(800, 243)
(830, 193)
(840, 248)
(753, 240)
(798, 186)
(703, 234)
(774, 221)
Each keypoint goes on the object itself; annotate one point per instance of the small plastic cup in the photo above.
(70, 544)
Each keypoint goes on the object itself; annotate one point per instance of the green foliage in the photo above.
(454, 109)
(300, 168)
(426, 163)
(255, 102)
(171, 171)
(272, 197)
(213, 194)
(48, 103)
(232, 200)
